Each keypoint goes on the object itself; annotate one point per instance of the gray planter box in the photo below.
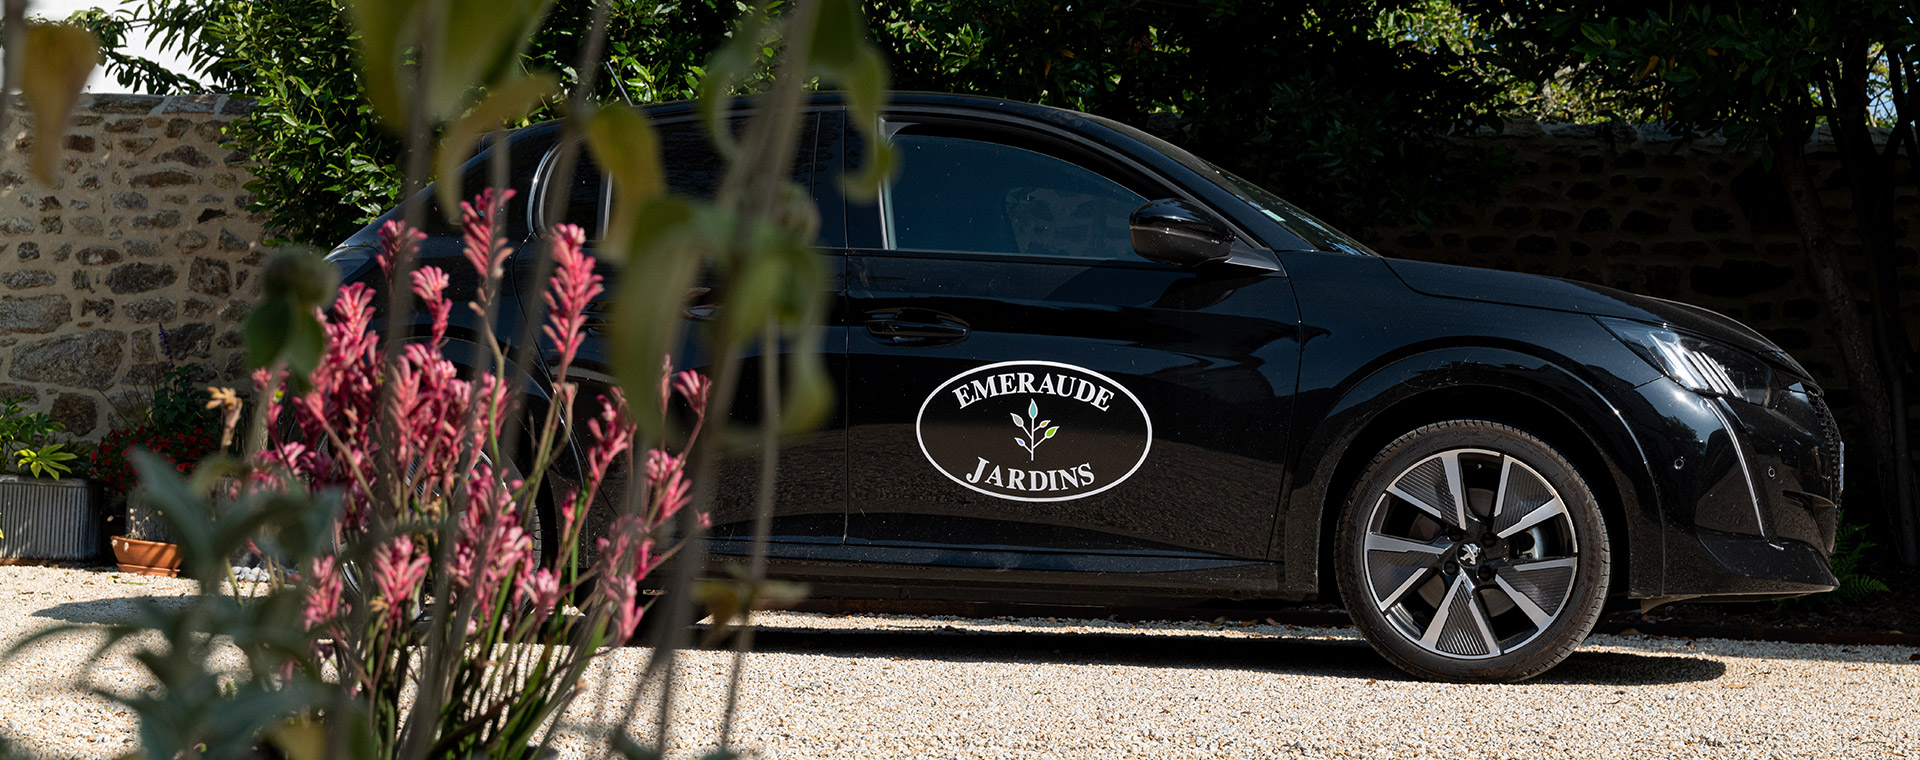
(48, 519)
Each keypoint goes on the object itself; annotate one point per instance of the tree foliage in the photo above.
(1297, 81)
(324, 165)
(1766, 75)
(1287, 93)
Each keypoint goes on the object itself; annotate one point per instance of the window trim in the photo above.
(885, 202)
(536, 207)
(542, 174)
(1071, 147)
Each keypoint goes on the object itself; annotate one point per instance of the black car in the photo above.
(1080, 365)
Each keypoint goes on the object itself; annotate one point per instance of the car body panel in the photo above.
(1264, 385)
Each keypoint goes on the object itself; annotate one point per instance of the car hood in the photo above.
(1536, 291)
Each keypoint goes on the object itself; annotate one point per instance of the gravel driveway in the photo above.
(884, 686)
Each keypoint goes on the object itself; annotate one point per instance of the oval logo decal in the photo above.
(1034, 431)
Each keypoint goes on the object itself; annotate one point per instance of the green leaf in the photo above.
(624, 144)
(1050, 432)
(753, 296)
(385, 29)
(664, 257)
(506, 102)
(295, 282)
(59, 59)
(726, 69)
(480, 45)
(843, 54)
(809, 389)
(265, 333)
(483, 44)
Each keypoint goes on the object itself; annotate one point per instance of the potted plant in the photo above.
(42, 515)
(179, 427)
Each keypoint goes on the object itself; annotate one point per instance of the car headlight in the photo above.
(1701, 365)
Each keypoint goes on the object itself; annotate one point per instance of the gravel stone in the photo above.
(833, 686)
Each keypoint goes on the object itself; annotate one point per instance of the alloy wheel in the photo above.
(1470, 554)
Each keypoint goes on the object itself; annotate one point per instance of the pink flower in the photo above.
(573, 288)
(397, 243)
(492, 547)
(323, 597)
(486, 249)
(626, 556)
(612, 434)
(540, 590)
(693, 387)
(659, 463)
(430, 284)
(397, 573)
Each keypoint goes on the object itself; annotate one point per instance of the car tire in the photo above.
(1472, 551)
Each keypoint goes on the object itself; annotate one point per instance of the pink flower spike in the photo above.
(430, 284)
(323, 598)
(397, 242)
(573, 288)
(397, 574)
(486, 249)
(659, 463)
(541, 589)
(693, 387)
(612, 434)
(673, 493)
(666, 382)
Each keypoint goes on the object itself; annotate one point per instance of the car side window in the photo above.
(692, 164)
(974, 196)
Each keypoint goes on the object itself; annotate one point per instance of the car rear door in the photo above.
(1023, 391)
(810, 503)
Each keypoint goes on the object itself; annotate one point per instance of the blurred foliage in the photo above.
(407, 613)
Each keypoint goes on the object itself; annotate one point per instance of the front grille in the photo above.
(1832, 449)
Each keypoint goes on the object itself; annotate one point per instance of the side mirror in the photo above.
(1177, 232)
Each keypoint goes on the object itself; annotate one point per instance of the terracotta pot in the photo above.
(146, 557)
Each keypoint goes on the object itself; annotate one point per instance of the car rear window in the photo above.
(691, 162)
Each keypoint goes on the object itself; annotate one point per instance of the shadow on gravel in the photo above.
(105, 611)
(1335, 659)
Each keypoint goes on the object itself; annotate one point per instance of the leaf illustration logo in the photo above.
(1036, 432)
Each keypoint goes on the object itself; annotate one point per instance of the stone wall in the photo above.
(143, 229)
(1639, 210)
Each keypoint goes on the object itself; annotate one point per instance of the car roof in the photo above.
(1116, 135)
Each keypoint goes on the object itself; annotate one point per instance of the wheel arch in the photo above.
(1498, 385)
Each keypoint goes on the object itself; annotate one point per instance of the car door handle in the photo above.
(915, 327)
(900, 328)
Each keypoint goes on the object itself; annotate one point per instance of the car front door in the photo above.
(1024, 391)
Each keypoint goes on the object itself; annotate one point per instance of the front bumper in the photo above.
(1749, 495)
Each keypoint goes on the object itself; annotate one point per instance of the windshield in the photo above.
(1301, 224)
(1317, 233)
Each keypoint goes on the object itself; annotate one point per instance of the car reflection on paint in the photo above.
(1081, 366)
